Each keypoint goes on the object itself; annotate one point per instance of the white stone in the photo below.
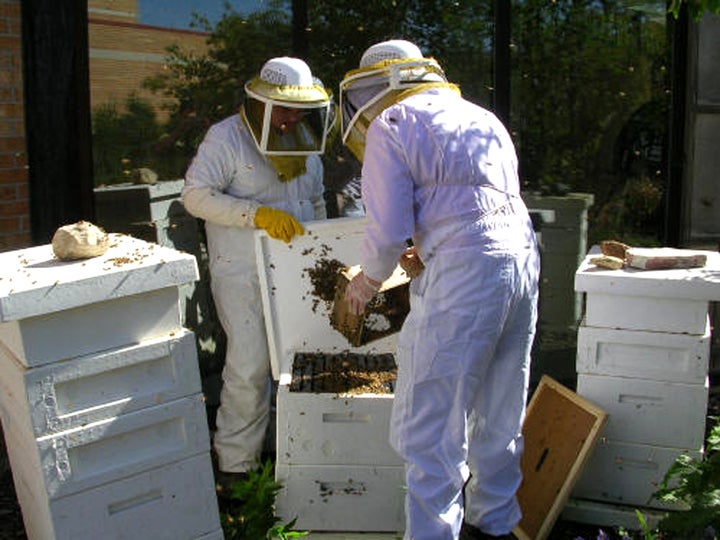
(80, 240)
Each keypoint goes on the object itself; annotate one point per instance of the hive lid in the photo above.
(34, 282)
(682, 283)
(296, 317)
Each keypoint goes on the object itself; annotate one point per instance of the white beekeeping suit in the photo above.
(256, 169)
(442, 172)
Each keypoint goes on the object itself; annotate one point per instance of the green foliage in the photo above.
(590, 91)
(648, 533)
(696, 8)
(457, 34)
(580, 72)
(208, 87)
(122, 140)
(250, 514)
(129, 138)
(696, 484)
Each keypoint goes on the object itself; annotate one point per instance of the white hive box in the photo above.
(343, 498)
(682, 358)
(130, 508)
(326, 442)
(100, 395)
(105, 451)
(42, 298)
(72, 393)
(674, 301)
(627, 474)
(644, 411)
(643, 356)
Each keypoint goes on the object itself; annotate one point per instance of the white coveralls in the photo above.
(225, 184)
(443, 171)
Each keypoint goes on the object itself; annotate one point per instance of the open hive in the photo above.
(344, 373)
(334, 399)
(349, 372)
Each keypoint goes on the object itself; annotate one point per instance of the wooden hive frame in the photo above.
(560, 430)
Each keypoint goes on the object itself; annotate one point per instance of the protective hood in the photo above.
(287, 110)
(367, 91)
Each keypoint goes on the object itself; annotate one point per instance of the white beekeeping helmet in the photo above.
(286, 71)
(285, 85)
(394, 49)
(388, 71)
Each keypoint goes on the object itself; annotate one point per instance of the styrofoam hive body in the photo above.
(672, 301)
(643, 357)
(342, 497)
(111, 449)
(638, 407)
(65, 395)
(682, 358)
(170, 502)
(325, 439)
(100, 395)
(628, 474)
(42, 297)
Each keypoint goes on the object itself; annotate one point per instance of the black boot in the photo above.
(470, 532)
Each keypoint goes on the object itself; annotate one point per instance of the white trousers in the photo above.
(464, 366)
(244, 412)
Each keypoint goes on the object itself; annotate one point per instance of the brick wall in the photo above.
(122, 55)
(121, 10)
(14, 189)
(128, 54)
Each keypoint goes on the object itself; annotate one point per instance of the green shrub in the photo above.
(250, 515)
(695, 483)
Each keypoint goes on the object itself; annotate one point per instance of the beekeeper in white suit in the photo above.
(258, 169)
(442, 171)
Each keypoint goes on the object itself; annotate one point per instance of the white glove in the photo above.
(359, 292)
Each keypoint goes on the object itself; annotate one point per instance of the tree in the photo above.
(696, 8)
(206, 88)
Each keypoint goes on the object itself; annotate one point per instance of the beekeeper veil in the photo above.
(287, 110)
(389, 72)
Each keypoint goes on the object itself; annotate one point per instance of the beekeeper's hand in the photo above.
(359, 292)
(410, 262)
(277, 223)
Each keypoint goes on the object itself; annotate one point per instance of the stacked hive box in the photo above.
(101, 406)
(564, 244)
(153, 212)
(643, 355)
(333, 457)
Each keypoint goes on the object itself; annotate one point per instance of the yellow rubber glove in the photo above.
(277, 223)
